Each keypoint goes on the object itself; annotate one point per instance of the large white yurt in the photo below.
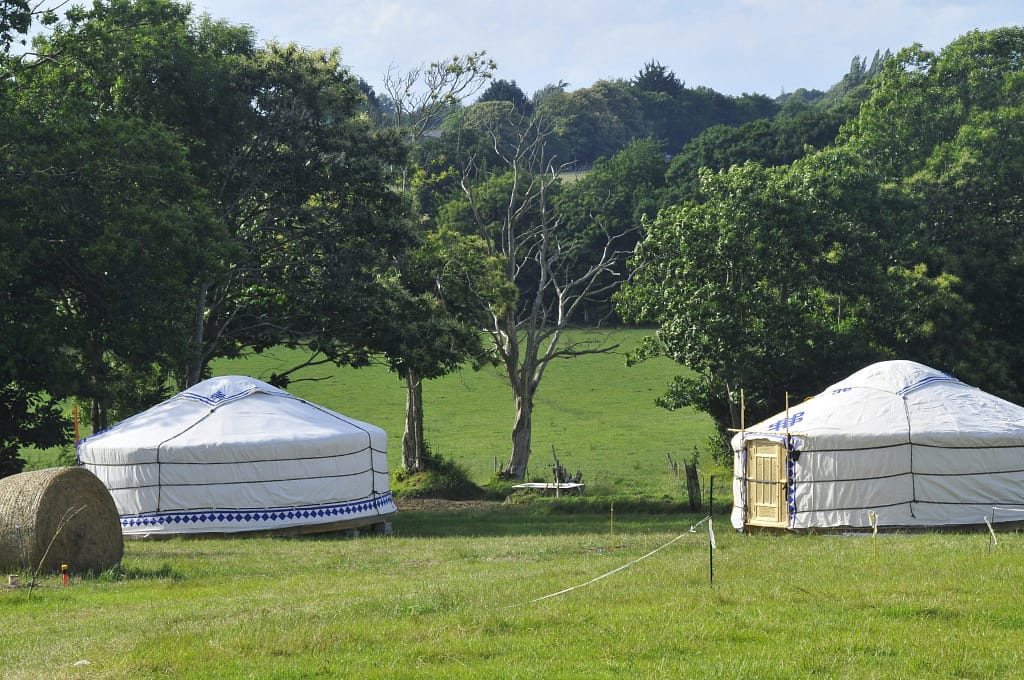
(912, 445)
(234, 454)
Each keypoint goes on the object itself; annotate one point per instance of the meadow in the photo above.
(598, 414)
(455, 594)
(470, 592)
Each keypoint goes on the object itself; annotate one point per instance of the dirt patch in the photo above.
(443, 504)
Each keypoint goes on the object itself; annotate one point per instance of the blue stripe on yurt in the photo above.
(311, 513)
(945, 377)
(219, 397)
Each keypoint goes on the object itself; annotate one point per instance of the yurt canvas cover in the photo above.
(911, 444)
(235, 454)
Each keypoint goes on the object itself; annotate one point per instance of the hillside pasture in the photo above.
(598, 414)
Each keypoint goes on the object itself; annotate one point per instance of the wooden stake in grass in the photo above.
(711, 531)
(611, 520)
(873, 518)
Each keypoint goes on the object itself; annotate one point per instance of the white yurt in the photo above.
(897, 442)
(234, 454)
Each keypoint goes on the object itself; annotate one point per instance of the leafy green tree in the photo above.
(434, 315)
(268, 144)
(110, 210)
(942, 128)
(507, 91)
(902, 239)
(436, 308)
(750, 292)
(313, 217)
(35, 374)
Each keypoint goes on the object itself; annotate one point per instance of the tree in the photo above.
(282, 190)
(507, 91)
(35, 374)
(555, 271)
(313, 218)
(655, 78)
(436, 317)
(771, 281)
(434, 329)
(942, 127)
(108, 207)
(902, 239)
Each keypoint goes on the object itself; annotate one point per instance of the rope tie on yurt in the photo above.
(692, 530)
(910, 447)
(357, 425)
(160, 446)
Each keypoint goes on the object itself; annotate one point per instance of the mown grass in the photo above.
(450, 595)
(597, 413)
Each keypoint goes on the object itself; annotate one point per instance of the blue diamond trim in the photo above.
(238, 519)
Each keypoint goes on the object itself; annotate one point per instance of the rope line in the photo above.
(693, 529)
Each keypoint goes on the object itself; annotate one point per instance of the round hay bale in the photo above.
(58, 516)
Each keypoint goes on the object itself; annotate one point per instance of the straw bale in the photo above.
(58, 516)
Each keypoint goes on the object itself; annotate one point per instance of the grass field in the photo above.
(455, 593)
(597, 413)
(451, 595)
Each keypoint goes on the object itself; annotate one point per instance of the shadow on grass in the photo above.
(121, 573)
(545, 518)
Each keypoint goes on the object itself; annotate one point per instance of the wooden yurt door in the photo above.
(766, 484)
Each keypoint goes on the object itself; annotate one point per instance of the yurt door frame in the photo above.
(766, 484)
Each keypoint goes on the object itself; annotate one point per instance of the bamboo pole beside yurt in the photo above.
(57, 516)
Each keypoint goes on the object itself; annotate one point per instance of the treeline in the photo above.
(903, 238)
(172, 192)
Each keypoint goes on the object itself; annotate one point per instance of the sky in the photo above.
(731, 46)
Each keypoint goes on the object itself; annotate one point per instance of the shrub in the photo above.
(445, 479)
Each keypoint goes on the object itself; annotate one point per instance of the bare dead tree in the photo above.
(421, 95)
(555, 270)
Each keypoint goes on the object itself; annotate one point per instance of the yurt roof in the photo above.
(890, 402)
(233, 411)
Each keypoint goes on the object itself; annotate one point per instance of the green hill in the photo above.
(597, 413)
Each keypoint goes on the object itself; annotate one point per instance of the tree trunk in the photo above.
(98, 378)
(414, 454)
(194, 371)
(98, 415)
(522, 431)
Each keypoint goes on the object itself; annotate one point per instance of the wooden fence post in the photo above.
(693, 486)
